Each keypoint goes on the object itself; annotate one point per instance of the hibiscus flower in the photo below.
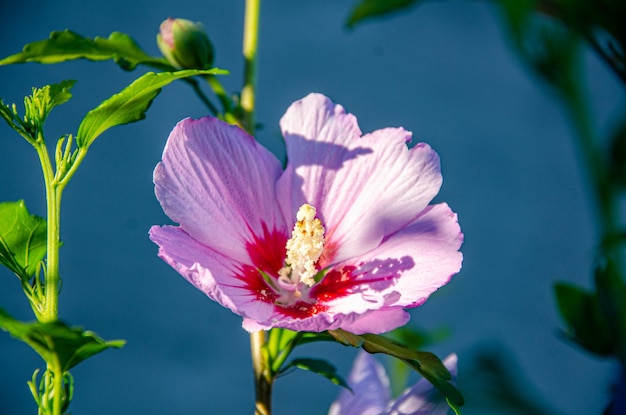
(371, 394)
(343, 237)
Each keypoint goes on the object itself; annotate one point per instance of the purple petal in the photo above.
(364, 187)
(209, 271)
(408, 266)
(370, 387)
(423, 398)
(194, 261)
(218, 183)
(378, 321)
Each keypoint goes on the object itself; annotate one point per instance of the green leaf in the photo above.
(617, 155)
(55, 340)
(130, 104)
(38, 105)
(612, 301)
(22, 239)
(368, 9)
(67, 45)
(586, 324)
(425, 363)
(320, 367)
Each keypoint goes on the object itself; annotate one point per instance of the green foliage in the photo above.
(56, 342)
(368, 9)
(22, 239)
(425, 363)
(596, 321)
(37, 106)
(67, 45)
(320, 367)
(583, 315)
(130, 104)
(549, 48)
(612, 299)
(617, 156)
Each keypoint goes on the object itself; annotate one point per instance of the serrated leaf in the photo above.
(425, 363)
(320, 367)
(55, 340)
(67, 45)
(23, 238)
(131, 103)
(368, 9)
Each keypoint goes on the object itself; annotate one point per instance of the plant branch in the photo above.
(250, 41)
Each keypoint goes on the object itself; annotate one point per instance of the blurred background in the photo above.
(442, 70)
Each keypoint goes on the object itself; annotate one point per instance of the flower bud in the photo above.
(185, 44)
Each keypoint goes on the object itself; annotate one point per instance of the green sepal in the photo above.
(130, 104)
(585, 320)
(368, 9)
(67, 45)
(22, 239)
(56, 341)
(425, 363)
(319, 367)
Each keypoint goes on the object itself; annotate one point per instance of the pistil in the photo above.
(304, 248)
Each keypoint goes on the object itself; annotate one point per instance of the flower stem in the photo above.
(53, 199)
(50, 307)
(250, 41)
(262, 377)
(260, 364)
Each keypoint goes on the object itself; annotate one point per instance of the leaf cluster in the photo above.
(26, 240)
(282, 342)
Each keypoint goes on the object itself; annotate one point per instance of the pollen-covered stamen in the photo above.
(304, 248)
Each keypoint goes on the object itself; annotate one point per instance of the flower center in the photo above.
(304, 248)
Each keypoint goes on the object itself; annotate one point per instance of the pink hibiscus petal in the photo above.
(405, 269)
(211, 272)
(195, 262)
(218, 183)
(423, 398)
(385, 248)
(365, 187)
(370, 389)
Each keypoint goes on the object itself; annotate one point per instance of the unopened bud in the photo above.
(185, 44)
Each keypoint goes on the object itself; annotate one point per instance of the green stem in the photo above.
(212, 109)
(53, 199)
(57, 385)
(262, 376)
(260, 364)
(222, 96)
(51, 284)
(250, 41)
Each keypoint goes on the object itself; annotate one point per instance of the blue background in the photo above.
(443, 71)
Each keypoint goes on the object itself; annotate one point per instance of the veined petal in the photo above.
(370, 389)
(405, 269)
(236, 286)
(195, 262)
(423, 398)
(218, 183)
(378, 321)
(364, 187)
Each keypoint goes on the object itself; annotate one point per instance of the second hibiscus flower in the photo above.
(344, 237)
